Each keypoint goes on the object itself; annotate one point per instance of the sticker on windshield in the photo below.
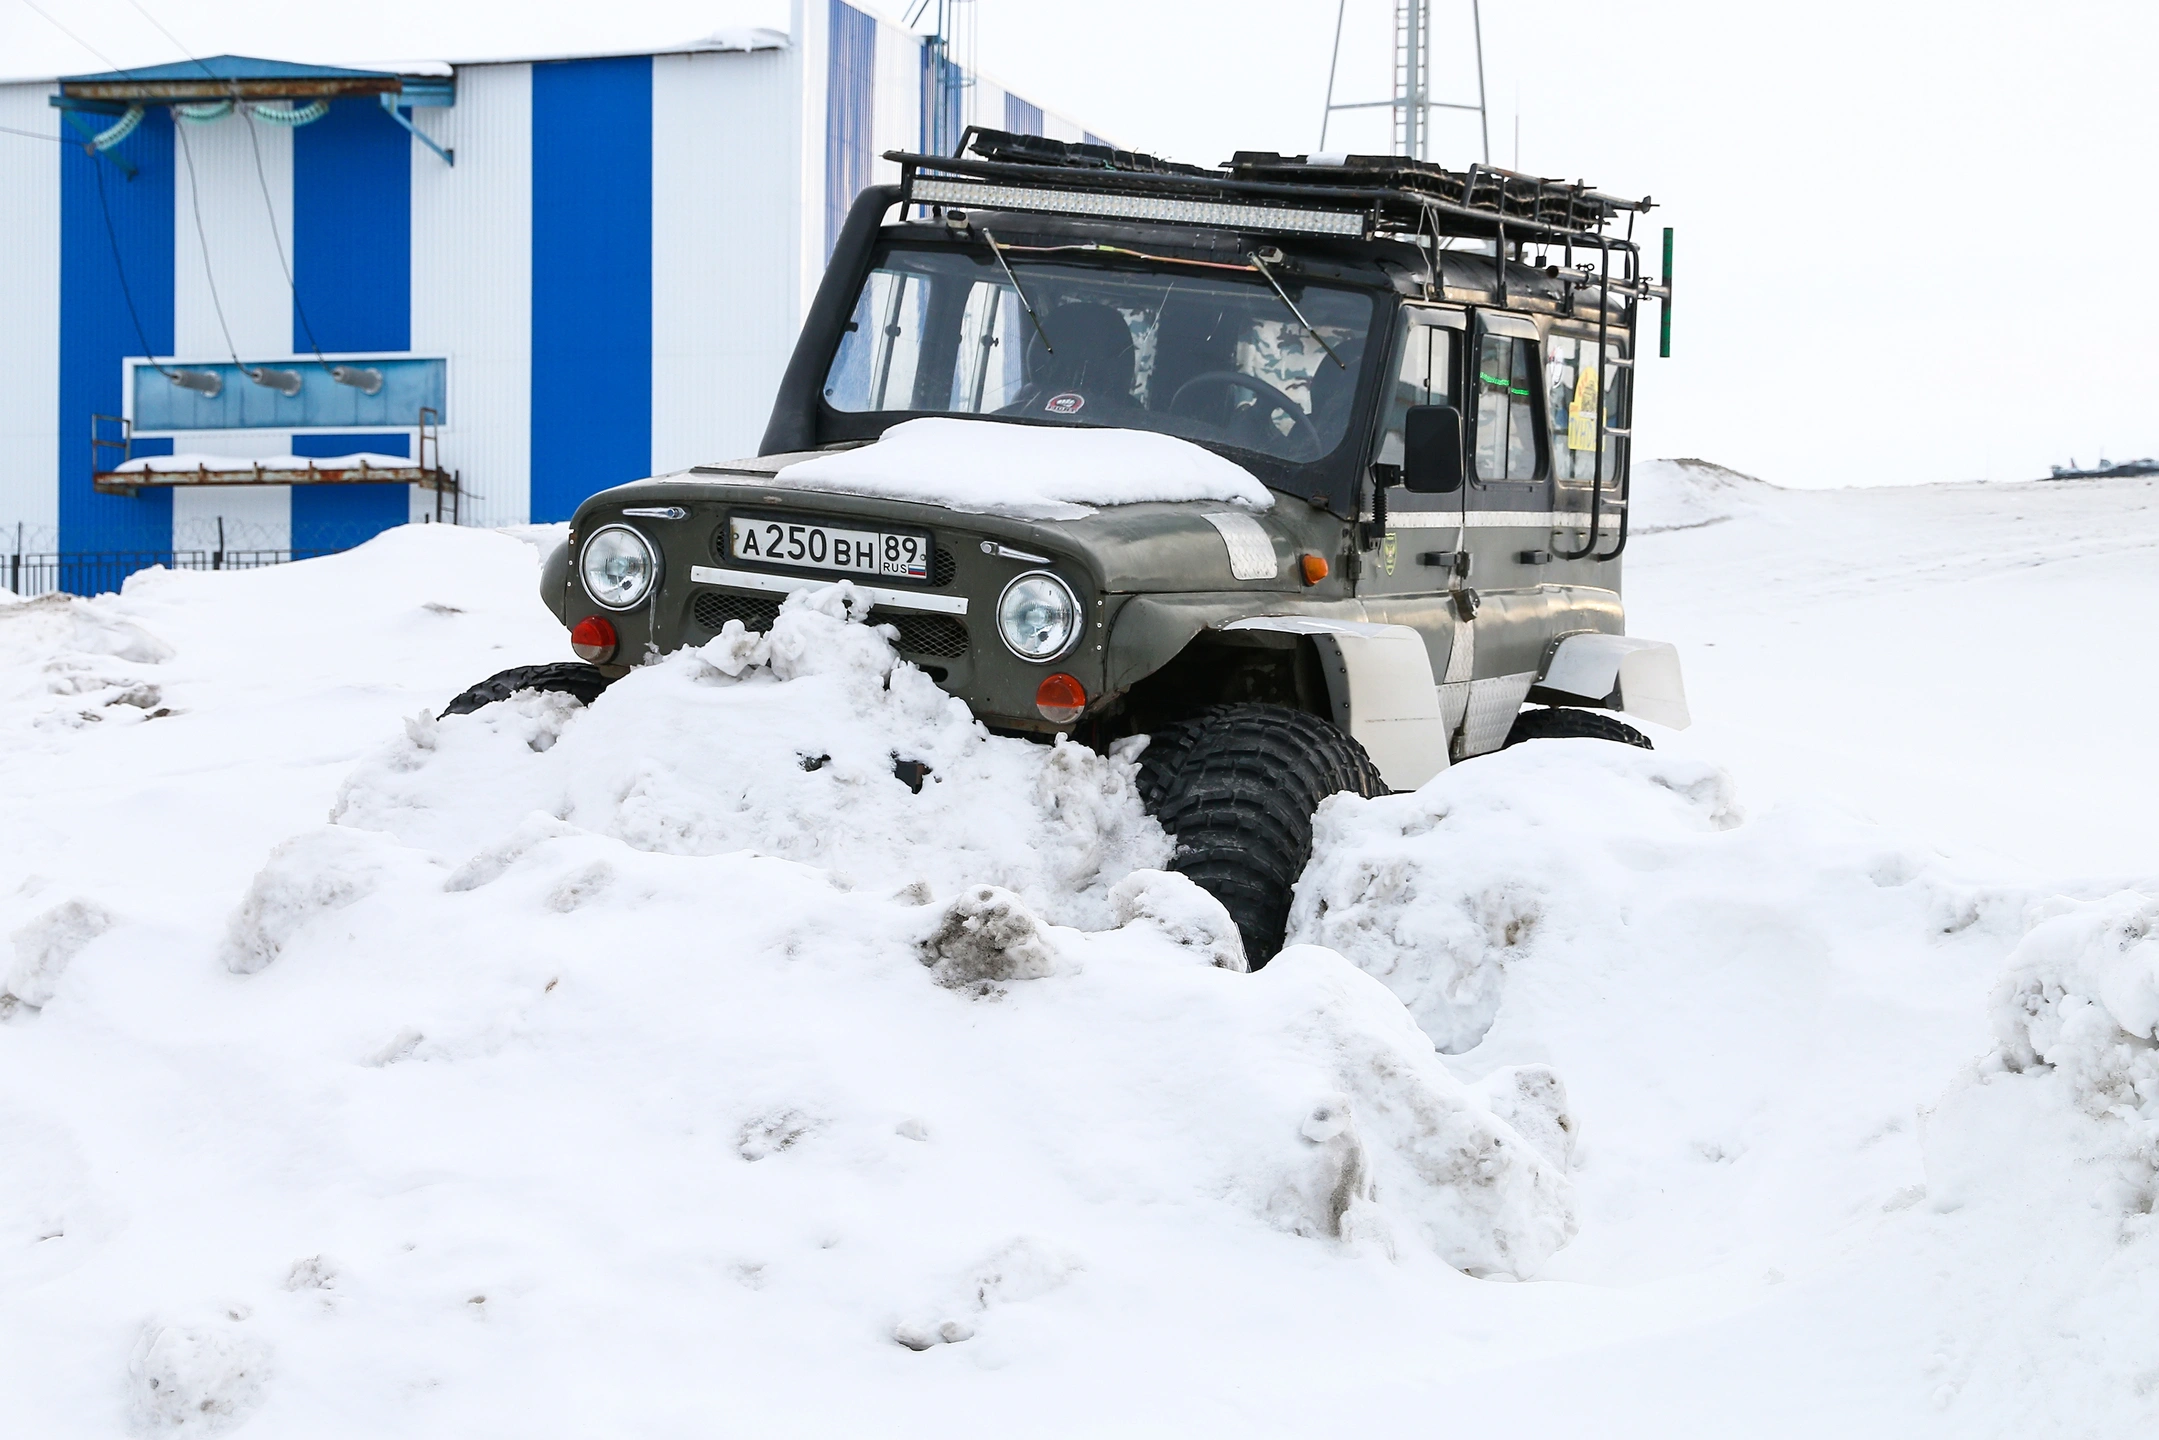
(1066, 402)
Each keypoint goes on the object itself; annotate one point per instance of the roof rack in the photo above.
(1357, 196)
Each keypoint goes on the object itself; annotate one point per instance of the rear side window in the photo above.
(1571, 382)
(1507, 399)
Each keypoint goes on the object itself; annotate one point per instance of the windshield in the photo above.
(1209, 353)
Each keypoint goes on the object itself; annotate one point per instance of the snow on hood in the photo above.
(1028, 472)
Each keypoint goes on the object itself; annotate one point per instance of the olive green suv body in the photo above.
(1427, 370)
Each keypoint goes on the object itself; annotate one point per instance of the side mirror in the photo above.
(1432, 450)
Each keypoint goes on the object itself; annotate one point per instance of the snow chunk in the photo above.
(44, 947)
(986, 936)
(1029, 472)
(1533, 1099)
(2082, 996)
(1403, 1142)
(307, 876)
(1439, 893)
(196, 1378)
(1181, 913)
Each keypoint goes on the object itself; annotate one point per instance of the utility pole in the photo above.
(1412, 103)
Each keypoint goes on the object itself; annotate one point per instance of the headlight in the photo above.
(1037, 616)
(618, 566)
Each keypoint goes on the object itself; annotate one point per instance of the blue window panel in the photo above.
(1090, 138)
(591, 279)
(1022, 118)
(101, 213)
(241, 404)
(338, 517)
(850, 107)
(352, 231)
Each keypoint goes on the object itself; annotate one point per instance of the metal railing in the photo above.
(95, 572)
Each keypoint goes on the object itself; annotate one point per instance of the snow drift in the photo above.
(673, 1063)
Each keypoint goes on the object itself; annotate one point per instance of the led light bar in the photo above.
(1227, 215)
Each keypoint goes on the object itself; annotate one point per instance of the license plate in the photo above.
(898, 554)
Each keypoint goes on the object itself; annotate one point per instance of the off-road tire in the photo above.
(1565, 722)
(566, 677)
(1236, 786)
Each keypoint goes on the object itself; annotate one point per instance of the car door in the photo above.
(1409, 577)
(1507, 524)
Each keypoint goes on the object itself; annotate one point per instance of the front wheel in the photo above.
(1236, 786)
(567, 677)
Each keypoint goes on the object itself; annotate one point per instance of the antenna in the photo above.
(1412, 104)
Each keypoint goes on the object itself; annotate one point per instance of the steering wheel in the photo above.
(1299, 422)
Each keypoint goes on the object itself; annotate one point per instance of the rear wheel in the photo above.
(1565, 722)
(1237, 786)
(568, 677)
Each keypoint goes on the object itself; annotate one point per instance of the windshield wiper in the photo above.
(1025, 303)
(1259, 263)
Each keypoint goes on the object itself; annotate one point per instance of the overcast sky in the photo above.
(1894, 218)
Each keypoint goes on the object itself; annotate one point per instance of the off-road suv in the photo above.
(1428, 370)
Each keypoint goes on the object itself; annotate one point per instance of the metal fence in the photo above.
(94, 572)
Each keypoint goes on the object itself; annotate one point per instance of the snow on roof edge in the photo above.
(729, 40)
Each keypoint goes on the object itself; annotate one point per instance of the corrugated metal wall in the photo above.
(1022, 118)
(218, 184)
(116, 300)
(472, 284)
(592, 188)
(850, 111)
(725, 232)
(29, 319)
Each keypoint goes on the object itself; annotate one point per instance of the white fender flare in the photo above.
(1379, 680)
(1638, 676)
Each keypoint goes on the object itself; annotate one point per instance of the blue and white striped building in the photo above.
(604, 284)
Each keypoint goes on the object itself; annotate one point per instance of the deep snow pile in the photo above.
(674, 1066)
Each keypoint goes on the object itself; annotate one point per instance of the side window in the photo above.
(1570, 376)
(1423, 375)
(1506, 408)
(875, 369)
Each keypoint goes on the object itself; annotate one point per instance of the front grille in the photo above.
(919, 634)
(942, 567)
(714, 608)
(925, 634)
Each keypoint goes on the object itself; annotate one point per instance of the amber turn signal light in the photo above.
(1060, 698)
(1315, 568)
(593, 639)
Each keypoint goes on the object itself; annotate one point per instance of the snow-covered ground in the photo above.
(673, 1068)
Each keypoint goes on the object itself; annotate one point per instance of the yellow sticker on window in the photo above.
(1582, 412)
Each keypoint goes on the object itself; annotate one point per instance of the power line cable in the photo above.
(48, 19)
(298, 309)
(126, 294)
(202, 240)
(34, 134)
